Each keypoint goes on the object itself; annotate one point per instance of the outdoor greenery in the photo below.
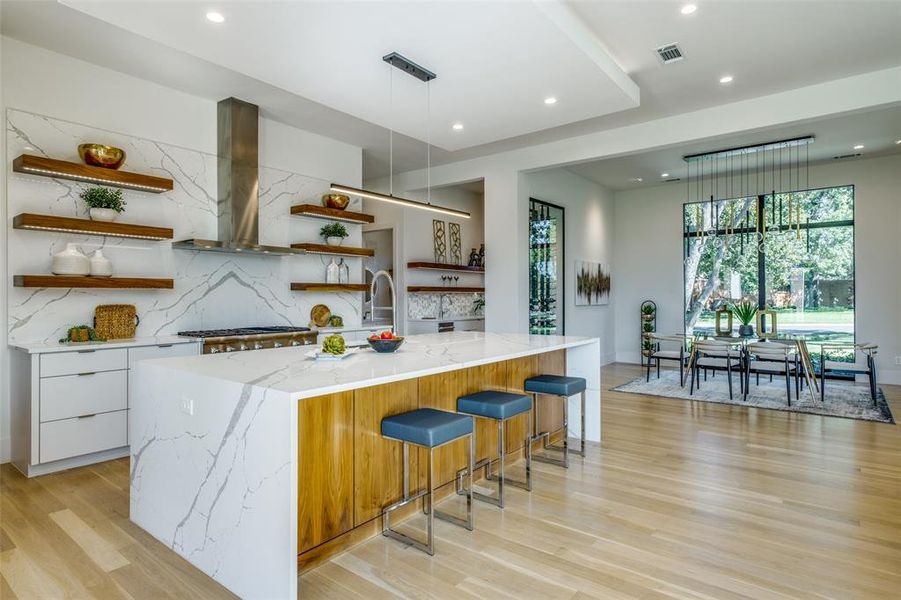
(822, 258)
(101, 197)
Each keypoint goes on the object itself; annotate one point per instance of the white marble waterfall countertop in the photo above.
(47, 347)
(290, 370)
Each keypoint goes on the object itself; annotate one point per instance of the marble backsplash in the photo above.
(211, 290)
(442, 306)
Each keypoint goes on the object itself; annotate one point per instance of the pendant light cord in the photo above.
(428, 143)
(390, 130)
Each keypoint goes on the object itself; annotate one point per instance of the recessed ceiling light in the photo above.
(550, 100)
(664, 174)
(636, 180)
(898, 142)
(726, 79)
(858, 147)
(215, 17)
(457, 126)
(688, 9)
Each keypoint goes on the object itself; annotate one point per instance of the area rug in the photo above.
(845, 400)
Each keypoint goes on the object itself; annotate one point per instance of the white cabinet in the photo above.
(70, 408)
(83, 435)
(85, 394)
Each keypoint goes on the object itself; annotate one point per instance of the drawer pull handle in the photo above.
(165, 346)
(88, 373)
(88, 416)
(85, 351)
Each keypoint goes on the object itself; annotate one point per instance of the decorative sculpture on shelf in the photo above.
(440, 241)
(456, 255)
(474, 258)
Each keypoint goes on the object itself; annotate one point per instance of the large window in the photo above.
(791, 252)
(545, 268)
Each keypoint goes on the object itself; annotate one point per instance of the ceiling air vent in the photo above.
(669, 53)
(844, 156)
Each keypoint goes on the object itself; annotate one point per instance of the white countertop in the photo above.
(48, 347)
(290, 370)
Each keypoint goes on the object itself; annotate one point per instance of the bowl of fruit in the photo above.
(385, 341)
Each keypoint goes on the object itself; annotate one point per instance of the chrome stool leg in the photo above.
(428, 496)
(544, 436)
(501, 479)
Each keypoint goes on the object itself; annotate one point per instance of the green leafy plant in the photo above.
(744, 312)
(333, 230)
(648, 327)
(100, 197)
(478, 303)
(647, 309)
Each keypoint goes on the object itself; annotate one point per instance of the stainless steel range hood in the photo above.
(238, 205)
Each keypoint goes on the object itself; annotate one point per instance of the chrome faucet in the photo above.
(393, 307)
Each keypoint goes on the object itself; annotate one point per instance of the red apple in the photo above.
(387, 335)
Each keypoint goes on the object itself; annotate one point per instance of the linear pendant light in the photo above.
(407, 66)
(350, 191)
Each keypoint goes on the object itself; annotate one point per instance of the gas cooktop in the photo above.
(205, 333)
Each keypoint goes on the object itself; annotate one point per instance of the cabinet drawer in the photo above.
(164, 351)
(83, 361)
(76, 395)
(74, 437)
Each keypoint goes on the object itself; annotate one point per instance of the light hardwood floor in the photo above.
(686, 500)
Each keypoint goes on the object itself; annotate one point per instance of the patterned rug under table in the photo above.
(847, 400)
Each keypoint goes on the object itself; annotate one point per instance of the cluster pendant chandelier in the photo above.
(746, 192)
(407, 66)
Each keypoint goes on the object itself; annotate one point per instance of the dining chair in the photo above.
(657, 353)
(715, 355)
(773, 358)
(867, 367)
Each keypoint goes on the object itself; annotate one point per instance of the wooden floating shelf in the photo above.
(333, 250)
(329, 287)
(72, 281)
(421, 289)
(62, 169)
(444, 267)
(88, 227)
(330, 214)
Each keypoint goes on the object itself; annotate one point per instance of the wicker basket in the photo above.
(116, 321)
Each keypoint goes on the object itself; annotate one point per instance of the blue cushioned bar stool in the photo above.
(498, 406)
(427, 428)
(563, 387)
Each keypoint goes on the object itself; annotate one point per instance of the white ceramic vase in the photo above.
(70, 262)
(103, 214)
(334, 240)
(343, 272)
(333, 272)
(100, 265)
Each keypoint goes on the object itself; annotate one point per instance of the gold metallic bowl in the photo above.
(99, 155)
(337, 201)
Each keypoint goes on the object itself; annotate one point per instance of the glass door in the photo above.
(546, 230)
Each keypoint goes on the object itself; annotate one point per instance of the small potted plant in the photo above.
(334, 233)
(648, 327)
(647, 312)
(745, 313)
(104, 204)
(81, 333)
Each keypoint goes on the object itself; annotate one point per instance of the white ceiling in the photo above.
(876, 130)
(496, 61)
(767, 46)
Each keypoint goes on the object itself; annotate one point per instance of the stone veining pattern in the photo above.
(216, 486)
(211, 290)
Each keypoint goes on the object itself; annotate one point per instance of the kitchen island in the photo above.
(255, 465)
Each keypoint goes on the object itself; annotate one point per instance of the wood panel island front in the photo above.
(257, 465)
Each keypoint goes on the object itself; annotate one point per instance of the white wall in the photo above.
(648, 265)
(588, 235)
(40, 81)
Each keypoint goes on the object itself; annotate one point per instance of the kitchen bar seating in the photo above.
(427, 428)
(562, 387)
(498, 406)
